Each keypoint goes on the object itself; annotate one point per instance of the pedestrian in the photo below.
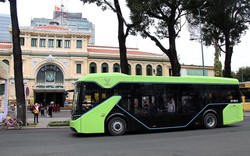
(52, 106)
(58, 107)
(15, 110)
(36, 112)
(47, 110)
(50, 109)
(42, 109)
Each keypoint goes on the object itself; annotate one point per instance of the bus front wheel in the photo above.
(117, 126)
(210, 121)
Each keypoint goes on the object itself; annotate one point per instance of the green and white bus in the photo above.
(116, 103)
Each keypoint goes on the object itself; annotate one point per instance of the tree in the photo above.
(159, 19)
(18, 68)
(223, 24)
(217, 62)
(243, 74)
(122, 35)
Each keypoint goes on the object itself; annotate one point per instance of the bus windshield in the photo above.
(87, 96)
(75, 109)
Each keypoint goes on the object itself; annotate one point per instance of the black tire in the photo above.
(117, 126)
(210, 121)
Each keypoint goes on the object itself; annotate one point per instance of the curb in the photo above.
(47, 127)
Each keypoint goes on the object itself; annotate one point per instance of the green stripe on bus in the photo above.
(109, 80)
(232, 113)
(94, 120)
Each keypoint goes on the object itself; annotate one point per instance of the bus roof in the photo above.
(108, 80)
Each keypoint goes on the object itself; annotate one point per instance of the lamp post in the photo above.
(201, 38)
(26, 92)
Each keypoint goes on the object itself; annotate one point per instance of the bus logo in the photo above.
(107, 80)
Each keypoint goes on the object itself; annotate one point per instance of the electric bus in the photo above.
(115, 103)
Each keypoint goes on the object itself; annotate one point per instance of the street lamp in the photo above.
(201, 38)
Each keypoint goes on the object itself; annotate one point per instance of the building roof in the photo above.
(115, 50)
(5, 45)
(104, 50)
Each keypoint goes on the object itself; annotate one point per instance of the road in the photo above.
(225, 141)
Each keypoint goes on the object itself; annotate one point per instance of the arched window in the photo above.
(92, 67)
(116, 67)
(50, 74)
(6, 62)
(159, 70)
(105, 68)
(138, 69)
(149, 70)
(129, 69)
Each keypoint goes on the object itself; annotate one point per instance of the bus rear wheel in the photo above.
(210, 121)
(117, 126)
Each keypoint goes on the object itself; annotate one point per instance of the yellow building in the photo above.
(245, 89)
(54, 58)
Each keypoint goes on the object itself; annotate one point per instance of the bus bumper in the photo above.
(233, 113)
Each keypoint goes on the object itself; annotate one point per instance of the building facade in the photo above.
(5, 22)
(73, 21)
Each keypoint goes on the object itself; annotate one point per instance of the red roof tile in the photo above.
(115, 50)
(5, 46)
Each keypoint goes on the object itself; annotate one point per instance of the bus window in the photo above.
(124, 90)
(90, 96)
(223, 93)
(189, 98)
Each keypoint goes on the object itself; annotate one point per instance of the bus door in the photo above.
(166, 111)
(188, 104)
(142, 107)
(177, 105)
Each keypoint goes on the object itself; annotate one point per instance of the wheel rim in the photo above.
(117, 126)
(210, 121)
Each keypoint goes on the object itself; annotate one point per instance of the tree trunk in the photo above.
(228, 57)
(18, 68)
(176, 67)
(227, 65)
(122, 39)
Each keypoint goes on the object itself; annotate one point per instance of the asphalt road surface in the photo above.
(225, 141)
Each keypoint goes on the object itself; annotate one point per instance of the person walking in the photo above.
(36, 113)
(42, 108)
(50, 109)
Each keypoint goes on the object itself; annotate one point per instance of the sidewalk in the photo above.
(247, 113)
(63, 115)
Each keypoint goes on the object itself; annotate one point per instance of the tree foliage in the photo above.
(122, 35)
(159, 19)
(223, 23)
(243, 74)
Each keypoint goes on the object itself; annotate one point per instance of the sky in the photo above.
(106, 31)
